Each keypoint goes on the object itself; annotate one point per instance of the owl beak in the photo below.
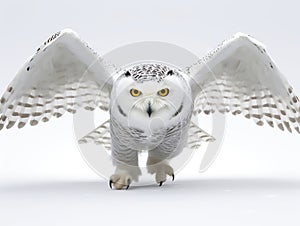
(149, 110)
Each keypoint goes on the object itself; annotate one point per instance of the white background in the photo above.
(254, 181)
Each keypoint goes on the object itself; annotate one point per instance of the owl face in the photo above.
(150, 91)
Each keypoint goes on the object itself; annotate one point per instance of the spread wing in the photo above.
(63, 75)
(240, 77)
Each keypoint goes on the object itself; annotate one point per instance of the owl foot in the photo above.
(161, 170)
(120, 180)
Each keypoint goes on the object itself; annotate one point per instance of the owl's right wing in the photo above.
(63, 75)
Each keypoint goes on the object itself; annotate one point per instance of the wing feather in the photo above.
(240, 77)
(64, 74)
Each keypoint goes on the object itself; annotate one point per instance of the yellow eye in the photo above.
(163, 92)
(135, 92)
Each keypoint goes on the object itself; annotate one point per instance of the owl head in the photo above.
(149, 91)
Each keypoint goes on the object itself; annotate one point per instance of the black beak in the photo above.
(149, 110)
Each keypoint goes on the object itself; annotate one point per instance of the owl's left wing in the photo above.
(240, 77)
(63, 75)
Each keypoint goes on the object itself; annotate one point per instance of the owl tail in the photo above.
(197, 136)
(100, 136)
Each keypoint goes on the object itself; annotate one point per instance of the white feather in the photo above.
(240, 77)
(64, 74)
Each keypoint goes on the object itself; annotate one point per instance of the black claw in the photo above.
(161, 183)
(128, 182)
(173, 177)
(110, 183)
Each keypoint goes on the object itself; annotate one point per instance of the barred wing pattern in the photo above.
(240, 77)
(63, 75)
(100, 136)
(196, 136)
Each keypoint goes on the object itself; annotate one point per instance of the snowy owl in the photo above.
(151, 103)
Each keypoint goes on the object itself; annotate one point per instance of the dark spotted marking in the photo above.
(45, 119)
(3, 117)
(287, 125)
(21, 125)
(33, 122)
(52, 38)
(282, 112)
(15, 114)
(293, 110)
(127, 74)
(178, 110)
(236, 112)
(260, 123)
(10, 89)
(270, 105)
(259, 48)
(10, 124)
(57, 114)
(257, 116)
(271, 65)
(281, 126)
(36, 114)
(23, 115)
(89, 108)
(29, 105)
(295, 99)
(71, 111)
(277, 117)
(121, 111)
(170, 72)
(3, 100)
(59, 106)
(28, 68)
(268, 115)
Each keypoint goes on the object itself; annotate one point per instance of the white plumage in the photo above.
(241, 78)
(150, 104)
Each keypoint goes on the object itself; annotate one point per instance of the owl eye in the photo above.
(135, 92)
(163, 92)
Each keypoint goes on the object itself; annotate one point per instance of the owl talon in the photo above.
(128, 183)
(160, 169)
(120, 181)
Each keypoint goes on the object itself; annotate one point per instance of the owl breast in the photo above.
(166, 139)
